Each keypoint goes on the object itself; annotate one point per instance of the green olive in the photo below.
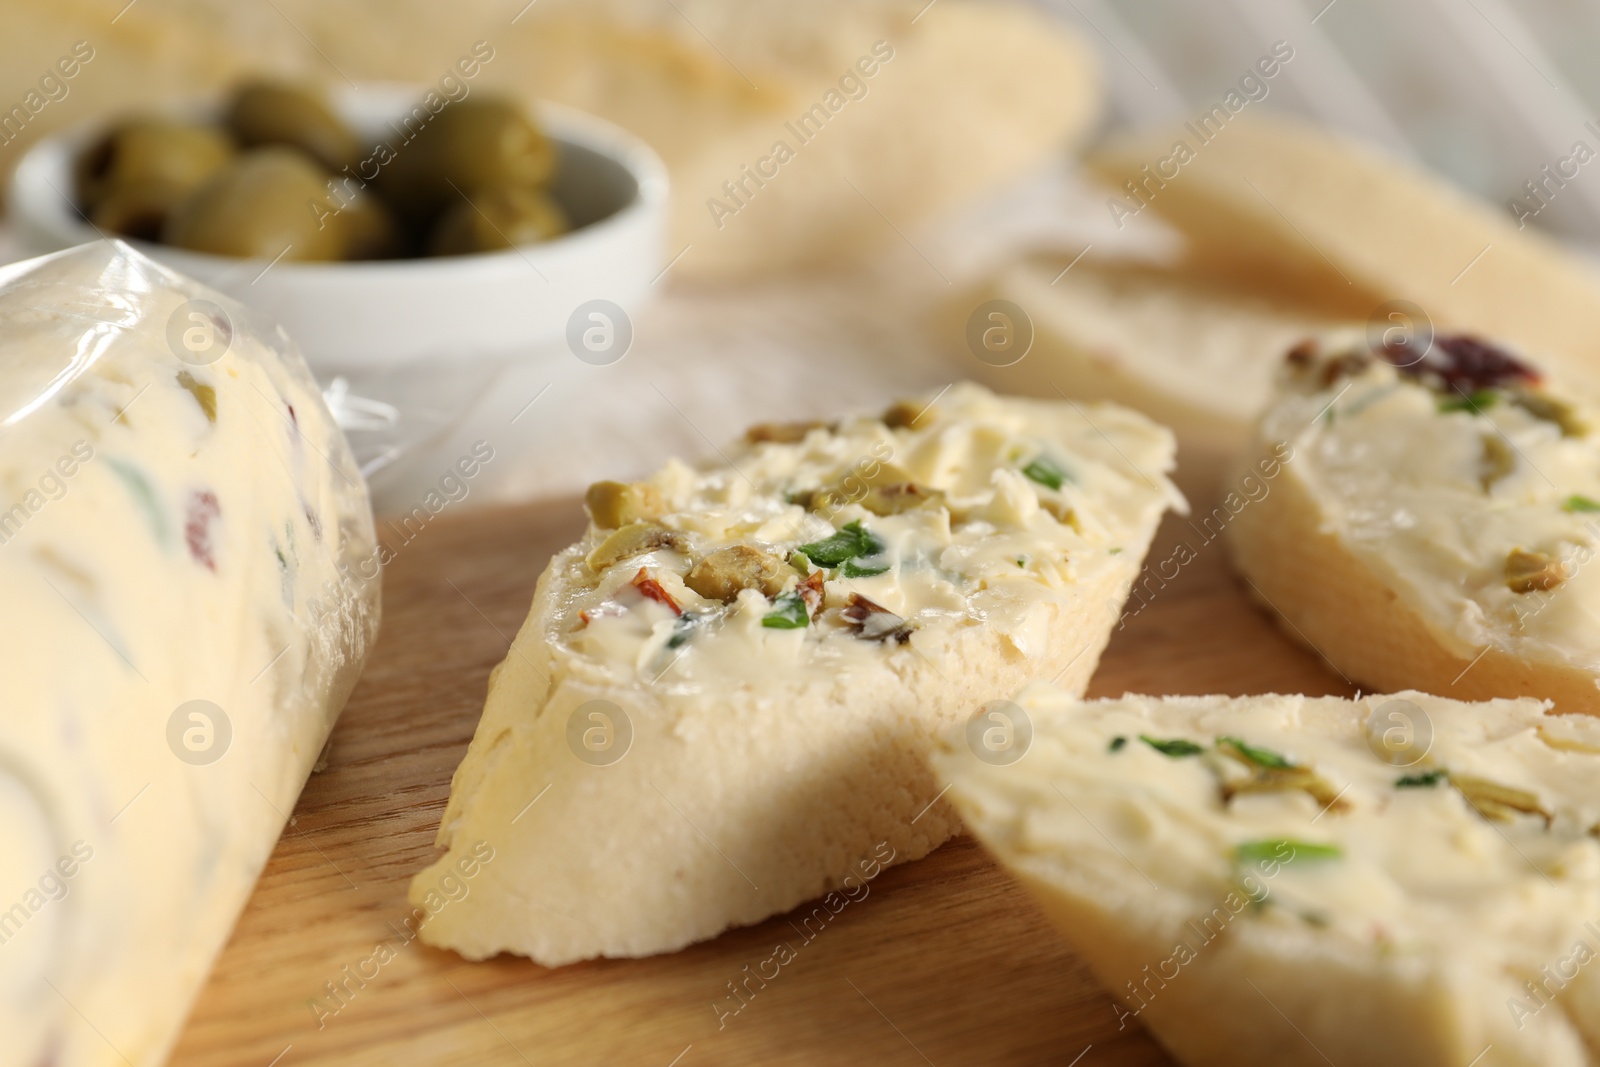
(267, 203)
(268, 113)
(613, 505)
(634, 539)
(368, 229)
(177, 154)
(137, 209)
(496, 219)
(467, 147)
(727, 571)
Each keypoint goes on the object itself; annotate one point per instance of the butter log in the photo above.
(188, 588)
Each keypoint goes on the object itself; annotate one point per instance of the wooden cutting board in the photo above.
(943, 962)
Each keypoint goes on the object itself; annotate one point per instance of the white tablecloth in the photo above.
(704, 364)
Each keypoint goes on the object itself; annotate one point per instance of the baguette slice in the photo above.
(702, 723)
(1343, 910)
(1193, 352)
(1432, 523)
(1292, 205)
(767, 129)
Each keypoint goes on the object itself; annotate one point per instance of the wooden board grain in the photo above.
(943, 962)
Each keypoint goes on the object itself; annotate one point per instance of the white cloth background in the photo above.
(704, 364)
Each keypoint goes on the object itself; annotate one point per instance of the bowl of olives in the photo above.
(378, 229)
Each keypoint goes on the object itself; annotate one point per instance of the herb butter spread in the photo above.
(739, 668)
(1296, 880)
(188, 589)
(1462, 479)
(820, 548)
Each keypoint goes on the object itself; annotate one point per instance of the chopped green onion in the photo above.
(1177, 748)
(1046, 473)
(145, 496)
(1578, 502)
(1261, 757)
(866, 568)
(1273, 850)
(1425, 780)
(1117, 744)
(788, 613)
(1474, 402)
(683, 628)
(852, 540)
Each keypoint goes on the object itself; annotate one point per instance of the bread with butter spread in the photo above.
(1295, 881)
(1435, 521)
(724, 695)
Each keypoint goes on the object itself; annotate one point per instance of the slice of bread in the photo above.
(1192, 351)
(1286, 880)
(1287, 204)
(1433, 522)
(797, 135)
(723, 698)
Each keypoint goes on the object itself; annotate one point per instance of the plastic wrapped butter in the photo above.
(188, 588)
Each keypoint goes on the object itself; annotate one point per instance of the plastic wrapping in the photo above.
(188, 590)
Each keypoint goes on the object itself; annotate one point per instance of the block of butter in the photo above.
(1287, 881)
(188, 587)
(722, 700)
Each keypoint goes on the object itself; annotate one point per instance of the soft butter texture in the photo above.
(169, 532)
(1434, 487)
(1421, 886)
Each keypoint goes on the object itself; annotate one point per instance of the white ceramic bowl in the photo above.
(353, 317)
